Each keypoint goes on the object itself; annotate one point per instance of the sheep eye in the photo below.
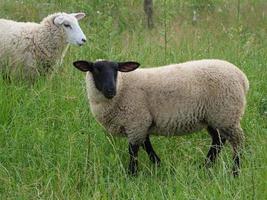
(67, 25)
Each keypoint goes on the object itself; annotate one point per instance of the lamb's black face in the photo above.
(105, 78)
(105, 74)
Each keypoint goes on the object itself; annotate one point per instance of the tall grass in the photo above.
(52, 148)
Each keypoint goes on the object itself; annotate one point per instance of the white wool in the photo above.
(31, 49)
(173, 100)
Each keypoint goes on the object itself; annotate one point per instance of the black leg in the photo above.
(133, 165)
(216, 146)
(150, 151)
(236, 166)
(236, 139)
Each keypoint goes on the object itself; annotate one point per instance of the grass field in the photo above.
(52, 148)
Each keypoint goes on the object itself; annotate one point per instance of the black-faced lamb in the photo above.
(170, 100)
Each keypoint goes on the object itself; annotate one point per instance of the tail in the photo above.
(245, 83)
(243, 80)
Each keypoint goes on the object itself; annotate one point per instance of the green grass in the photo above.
(52, 148)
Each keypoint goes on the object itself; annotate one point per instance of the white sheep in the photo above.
(32, 49)
(170, 100)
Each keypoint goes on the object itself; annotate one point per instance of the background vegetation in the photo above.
(52, 148)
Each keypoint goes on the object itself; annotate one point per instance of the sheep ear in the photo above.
(59, 20)
(83, 66)
(78, 16)
(127, 66)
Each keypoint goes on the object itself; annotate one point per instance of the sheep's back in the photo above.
(15, 41)
(185, 97)
(15, 35)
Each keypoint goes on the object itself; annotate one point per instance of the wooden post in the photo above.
(148, 7)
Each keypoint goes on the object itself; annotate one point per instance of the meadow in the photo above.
(52, 148)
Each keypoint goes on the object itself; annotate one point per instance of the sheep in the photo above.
(171, 100)
(32, 49)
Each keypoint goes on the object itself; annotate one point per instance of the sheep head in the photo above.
(70, 24)
(105, 74)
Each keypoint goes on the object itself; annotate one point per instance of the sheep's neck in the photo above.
(102, 107)
(49, 42)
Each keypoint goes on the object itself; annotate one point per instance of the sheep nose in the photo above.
(83, 40)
